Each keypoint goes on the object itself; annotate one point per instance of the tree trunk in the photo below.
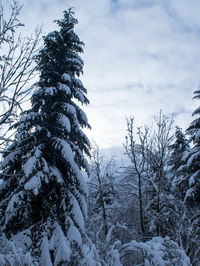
(141, 205)
(104, 219)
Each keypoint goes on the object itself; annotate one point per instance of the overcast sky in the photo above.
(140, 56)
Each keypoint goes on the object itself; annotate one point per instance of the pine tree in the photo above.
(43, 191)
(179, 147)
(193, 159)
(192, 197)
(178, 169)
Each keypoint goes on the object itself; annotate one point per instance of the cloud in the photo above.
(140, 56)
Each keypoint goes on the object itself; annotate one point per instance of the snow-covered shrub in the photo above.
(10, 254)
(158, 252)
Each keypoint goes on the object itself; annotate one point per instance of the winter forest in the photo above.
(62, 201)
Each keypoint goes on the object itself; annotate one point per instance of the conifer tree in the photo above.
(179, 147)
(192, 197)
(43, 192)
(193, 159)
(179, 151)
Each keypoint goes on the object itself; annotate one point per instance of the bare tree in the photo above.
(137, 153)
(148, 151)
(17, 68)
(101, 186)
(8, 27)
(158, 157)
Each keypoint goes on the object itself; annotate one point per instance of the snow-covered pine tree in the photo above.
(178, 148)
(179, 185)
(192, 197)
(193, 159)
(177, 162)
(43, 191)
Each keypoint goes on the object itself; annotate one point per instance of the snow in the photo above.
(73, 234)
(180, 146)
(54, 239)
(28, 259)
(59, 241)
(64, 147)
(181, 168)
(76, 211)
(81, 158)
(114, 258)
(91, 256)
(45, 167)
(51, 37)
(79, 82)
(108, 236)
(82, 182)
(193, 157)
(192, 179)
(82, 201)
(79, 58)
(66, 77)
(50, 91)
(45, 255)
(23, 239)
(79, 95)
(64, 122)
(189, 193)
(14, 202)
(30, 166)
(56, 173)
(197, 135)
(8, 254)
(75, 61)
(2, 260)
(158, 251)
(197, 111)
(70, 109)
(34, 183)
(12, 252)
(83, 116)
(31, 116)
(77, 64)
(10, 158)
(64, 88)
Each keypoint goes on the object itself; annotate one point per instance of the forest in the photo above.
(62, 200)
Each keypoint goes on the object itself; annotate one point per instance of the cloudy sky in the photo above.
(140, 56)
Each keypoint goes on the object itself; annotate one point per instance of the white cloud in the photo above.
(140, 56)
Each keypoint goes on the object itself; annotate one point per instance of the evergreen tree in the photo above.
(43, 191)
(193, 159)
(192, 197)
(178, 148)
(179, 151)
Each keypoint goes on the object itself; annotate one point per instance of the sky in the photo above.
(140, 56)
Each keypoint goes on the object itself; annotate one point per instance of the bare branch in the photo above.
(17, 67)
